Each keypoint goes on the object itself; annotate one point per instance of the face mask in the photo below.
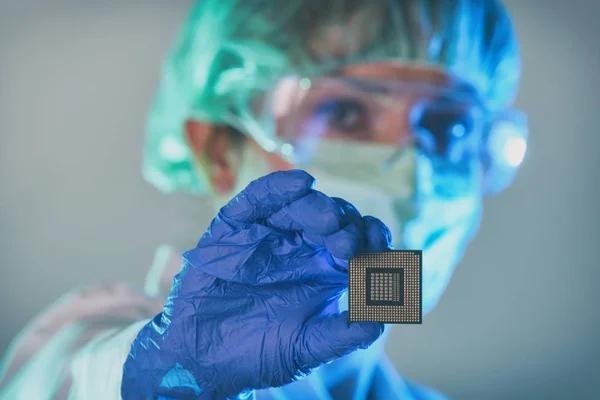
(353, 172)
(408, 197)
(425, 209)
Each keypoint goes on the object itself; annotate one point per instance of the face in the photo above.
(398, 142)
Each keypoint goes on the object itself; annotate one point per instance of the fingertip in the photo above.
(349, 207)
(361, 333)
(378, 236)
(345, 243)
(333, 336)
(295, 179)
(371, 331)
(313, 214)
(290, 184)
(350, 213)
(267, 194)
(286, 186)
(321, 214)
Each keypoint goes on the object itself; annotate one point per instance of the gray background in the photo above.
(520, 319)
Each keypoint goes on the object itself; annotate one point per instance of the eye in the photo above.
(344, 116)
(449, 125)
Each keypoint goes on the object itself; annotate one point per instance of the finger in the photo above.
(261, 255)
(378, 237)
(326, 339)
(264, 196)
(315, 213)
(345, 243)
(351, 216)
(354, 218)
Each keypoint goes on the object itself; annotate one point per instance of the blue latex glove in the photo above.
(247, 309)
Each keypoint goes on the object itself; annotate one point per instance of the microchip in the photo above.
(386, 287)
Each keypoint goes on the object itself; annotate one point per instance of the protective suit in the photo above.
(256, 309)
(87, 334)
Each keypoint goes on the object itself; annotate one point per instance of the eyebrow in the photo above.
(452, 91)
(366, 85)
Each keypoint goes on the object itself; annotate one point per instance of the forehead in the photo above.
(413, 74)
(432, 78)
(395, 71)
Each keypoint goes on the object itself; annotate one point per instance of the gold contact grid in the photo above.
(384, 287)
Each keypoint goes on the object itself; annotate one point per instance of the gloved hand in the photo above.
(247, 309)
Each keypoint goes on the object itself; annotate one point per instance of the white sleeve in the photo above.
(76, 348)
(96, 369)
(41, 375)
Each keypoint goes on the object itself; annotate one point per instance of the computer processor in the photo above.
(386, 287)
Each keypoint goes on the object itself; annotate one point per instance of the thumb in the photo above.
(328, 338)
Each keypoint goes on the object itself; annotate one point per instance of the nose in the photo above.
(395, 125)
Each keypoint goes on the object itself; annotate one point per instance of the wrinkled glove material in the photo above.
(247, 310)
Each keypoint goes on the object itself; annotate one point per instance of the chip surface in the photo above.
(386, 287)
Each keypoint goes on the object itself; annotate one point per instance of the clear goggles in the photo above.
(447, 121)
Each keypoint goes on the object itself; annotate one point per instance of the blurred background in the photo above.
(520, 319)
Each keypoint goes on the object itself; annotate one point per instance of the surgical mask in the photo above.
(423, 208)
(354, 171)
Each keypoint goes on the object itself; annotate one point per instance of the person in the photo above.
(321, 129)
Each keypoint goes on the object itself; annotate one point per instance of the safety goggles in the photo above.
(448, 121)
